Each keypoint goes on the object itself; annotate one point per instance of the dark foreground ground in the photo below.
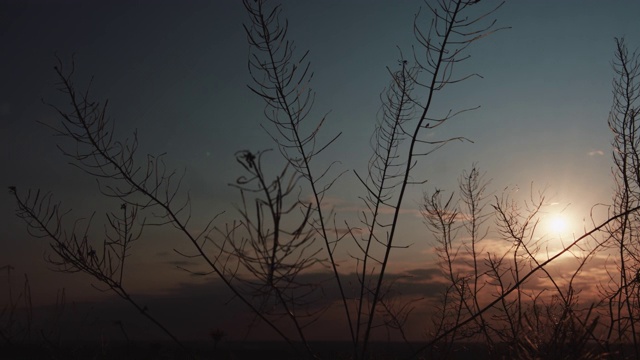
(257, 350)
(202, 350)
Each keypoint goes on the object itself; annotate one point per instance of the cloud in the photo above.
(191, 309)
(183, 263)
(424, 273)
(595, 152)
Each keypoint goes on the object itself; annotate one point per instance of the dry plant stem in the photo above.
(282, 81)
(87, 126)
(440, 217)
(622, 121)
(526, 276)
(54, 329)
(472, 188)
(510, 230)
(519, 229)
(11, 331)
(397, 109)
(441, 56)
(516, 230)
(271, 254)
(405, 179)
(496, 269)
(38, 214)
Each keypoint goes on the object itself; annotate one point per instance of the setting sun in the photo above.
(557, 224)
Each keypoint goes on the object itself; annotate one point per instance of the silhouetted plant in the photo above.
(548, 323)
(75, 252)
(98, 154)
(282, 80)
(281, 77)
(217, 335)
(14, 329)
(284, 227)
(272, 243)
(621, 290)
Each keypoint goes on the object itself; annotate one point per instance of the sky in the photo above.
(178, 74)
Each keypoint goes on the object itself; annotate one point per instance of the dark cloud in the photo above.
(183, 263)
(192, 309)
(424, 273)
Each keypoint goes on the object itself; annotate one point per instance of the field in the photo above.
(260, 350)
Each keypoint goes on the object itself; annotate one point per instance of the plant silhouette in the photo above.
(285, 227)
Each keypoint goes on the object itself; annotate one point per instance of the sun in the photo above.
(557, 224)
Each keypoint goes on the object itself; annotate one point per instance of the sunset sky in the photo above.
(178, 74)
